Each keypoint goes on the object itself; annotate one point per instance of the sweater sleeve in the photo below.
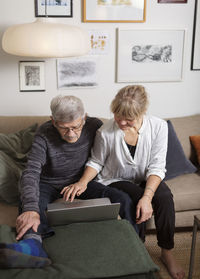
(158, 152)
(29, 186)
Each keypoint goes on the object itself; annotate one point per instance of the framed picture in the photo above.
(77, 72)
(150, 55)
(31, 76)
(114, 10)
(195, 65)
(172, 1)
(99, 40)
(53, 8)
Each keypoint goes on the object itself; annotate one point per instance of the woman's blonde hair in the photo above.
(131, 102)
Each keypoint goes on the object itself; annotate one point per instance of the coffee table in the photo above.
(196, 226)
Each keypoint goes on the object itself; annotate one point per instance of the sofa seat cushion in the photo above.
(89, 250)
(186, 190)
(8, 214)
(183, 219)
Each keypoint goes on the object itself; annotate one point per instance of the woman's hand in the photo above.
(144, 210)
(76, 189)
(25, 221)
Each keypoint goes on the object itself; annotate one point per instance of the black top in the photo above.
(132, 149)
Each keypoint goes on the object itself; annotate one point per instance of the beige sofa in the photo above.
(185, 188)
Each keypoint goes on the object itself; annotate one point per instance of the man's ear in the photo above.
(53, 121)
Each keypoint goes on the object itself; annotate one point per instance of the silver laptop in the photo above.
(67, 212)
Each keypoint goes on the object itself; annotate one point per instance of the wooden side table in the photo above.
(196, 226)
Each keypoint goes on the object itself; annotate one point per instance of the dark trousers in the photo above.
(163, 208)
(48, 194)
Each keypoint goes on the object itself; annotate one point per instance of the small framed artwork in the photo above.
(114, 11)
(77, 72)
(53, 8)
(195, 65)
(99, 40)
(31, 76)
(172, 1)
(150, 55)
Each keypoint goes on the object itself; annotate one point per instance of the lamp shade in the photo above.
(45, 38)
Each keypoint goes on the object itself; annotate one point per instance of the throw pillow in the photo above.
(9, 178)
(176, 161)
(17, 145)
(195, 140)
(14, 149)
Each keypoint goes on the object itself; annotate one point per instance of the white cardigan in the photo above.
(111, 158)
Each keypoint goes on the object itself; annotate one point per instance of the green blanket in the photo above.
(105, 249)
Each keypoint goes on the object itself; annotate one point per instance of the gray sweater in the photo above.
(54, 161)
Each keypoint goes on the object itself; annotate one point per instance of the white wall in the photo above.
(167, 99)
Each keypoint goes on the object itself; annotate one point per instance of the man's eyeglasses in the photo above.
(74, 129)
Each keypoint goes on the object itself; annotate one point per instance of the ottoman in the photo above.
(104, 249)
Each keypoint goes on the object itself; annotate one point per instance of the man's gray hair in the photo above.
(66, 108)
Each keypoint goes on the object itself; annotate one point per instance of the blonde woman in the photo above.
(129, 154)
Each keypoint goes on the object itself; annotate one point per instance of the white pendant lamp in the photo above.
(45, 38)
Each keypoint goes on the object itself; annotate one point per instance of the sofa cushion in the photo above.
(13, 124)
(16, 145)
(176, 161)
(186, 191)
(101, 249)
(13, 156)
(195, 140)
(8, 214)
(185, 127)
(9, 178)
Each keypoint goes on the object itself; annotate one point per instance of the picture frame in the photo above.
(173, 1)
(77, 72)
(150, 55)
(114, 11)
(100, 42)
(31, 76)
(195, 61)
(54, 8)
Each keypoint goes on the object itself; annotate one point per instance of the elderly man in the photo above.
(60, 149)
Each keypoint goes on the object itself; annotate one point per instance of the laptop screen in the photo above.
(66, 212)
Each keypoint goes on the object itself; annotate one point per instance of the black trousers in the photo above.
(48, 194)
(163, 208)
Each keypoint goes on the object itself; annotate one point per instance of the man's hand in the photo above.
(144, 210)
(25, 221)
(76, 189)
